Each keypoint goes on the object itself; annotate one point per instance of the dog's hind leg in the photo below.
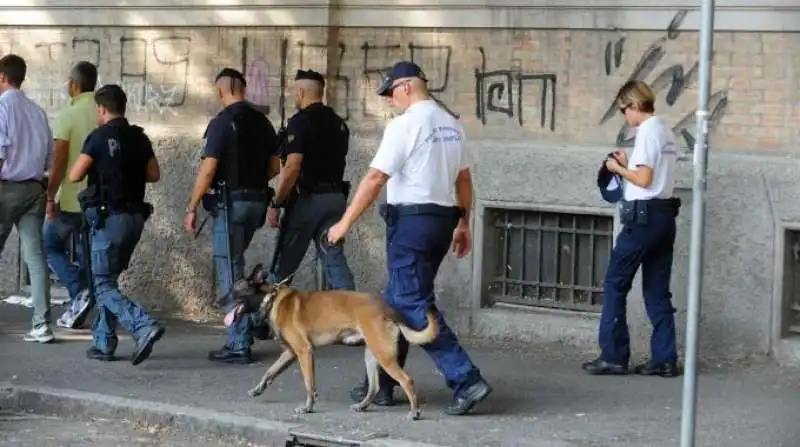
(287, 358)
(372, 381)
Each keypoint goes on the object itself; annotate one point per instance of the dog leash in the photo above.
(324, 246)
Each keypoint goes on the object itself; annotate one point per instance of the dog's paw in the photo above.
(358, 408)
(303, 410)
(414, 415)
(255, 392)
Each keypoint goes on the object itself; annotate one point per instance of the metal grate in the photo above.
(792, 283)
(548, 259)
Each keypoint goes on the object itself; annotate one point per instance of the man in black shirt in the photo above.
(119, 161)
(311, 187)
(239, 159)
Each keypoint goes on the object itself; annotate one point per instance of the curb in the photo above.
(79, 404)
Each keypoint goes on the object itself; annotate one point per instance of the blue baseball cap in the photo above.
(402, 69)
(609, 184)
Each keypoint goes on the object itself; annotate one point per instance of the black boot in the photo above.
(384, 398)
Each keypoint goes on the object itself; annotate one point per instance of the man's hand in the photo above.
(50, 210)
(336, 233)
(274, 217)
(462, 241)
(190, 221)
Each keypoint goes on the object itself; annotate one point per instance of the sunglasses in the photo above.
(624, 109)
(392, 88)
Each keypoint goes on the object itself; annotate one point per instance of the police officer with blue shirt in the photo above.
(645, 185)
(239, 159)
(424, 162)
(311, 188)
(119, 160)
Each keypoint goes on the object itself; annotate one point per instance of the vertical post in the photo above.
(688, 420)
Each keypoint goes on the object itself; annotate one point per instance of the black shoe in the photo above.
(384, 398)
(261, 333)
(652, 368)
(96, 354)
(226, 355)
(465, 400)
(144, 347)
(600, 367)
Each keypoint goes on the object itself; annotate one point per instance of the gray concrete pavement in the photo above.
(32, 430)
(541, 396)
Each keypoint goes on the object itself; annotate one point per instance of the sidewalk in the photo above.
(541, 397)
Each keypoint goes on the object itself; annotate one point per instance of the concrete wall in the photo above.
(534, 93)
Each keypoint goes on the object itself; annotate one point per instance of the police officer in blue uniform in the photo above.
(239, 159)
(311, 188)
(119, 161)
(645, 185)
(425, 164)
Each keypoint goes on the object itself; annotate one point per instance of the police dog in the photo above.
(303, 320)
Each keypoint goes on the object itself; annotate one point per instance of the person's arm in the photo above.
(389, 159)
(84, 161)
(216, 139)
(645, 155)
(272, 143)
(5, 139)
(62, 130)
(294, 150)
(153, 173)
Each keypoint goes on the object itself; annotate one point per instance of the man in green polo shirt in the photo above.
(70, 129)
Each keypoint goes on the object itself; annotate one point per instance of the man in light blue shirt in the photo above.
(26, 152)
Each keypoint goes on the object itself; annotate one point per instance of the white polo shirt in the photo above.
(422, 151)
(654, 147)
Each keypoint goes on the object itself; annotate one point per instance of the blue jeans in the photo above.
(415, 247)
(650, 246)
(56, 237)
(245, 218)
(307, 220)
(113, 240)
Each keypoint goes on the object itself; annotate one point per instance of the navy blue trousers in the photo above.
(650, 246)
(415, 247)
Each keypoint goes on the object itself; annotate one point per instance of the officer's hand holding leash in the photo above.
(336, 233)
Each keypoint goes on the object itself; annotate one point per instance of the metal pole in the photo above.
(688, 419)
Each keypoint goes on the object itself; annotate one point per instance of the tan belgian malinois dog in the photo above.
(303, 320)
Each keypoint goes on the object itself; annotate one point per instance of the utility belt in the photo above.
(391, 213)
(214, 199)
(324, 188)
(638, 212)
(96, 213)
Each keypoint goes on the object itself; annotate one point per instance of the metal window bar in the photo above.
(793, 277)
(565, 267)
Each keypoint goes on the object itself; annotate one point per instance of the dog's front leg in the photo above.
(287, 358)
(306, 357)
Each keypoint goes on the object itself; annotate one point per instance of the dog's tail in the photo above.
(424, 336)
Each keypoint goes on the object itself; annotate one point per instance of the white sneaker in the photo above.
(41, 334)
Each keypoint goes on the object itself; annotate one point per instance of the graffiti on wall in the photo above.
(167, 73)
(674, 79)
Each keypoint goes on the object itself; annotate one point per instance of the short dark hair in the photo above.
(85, 75)
(15, 69)
(113, 98)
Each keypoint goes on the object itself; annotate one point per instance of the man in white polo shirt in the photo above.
(423, 159)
